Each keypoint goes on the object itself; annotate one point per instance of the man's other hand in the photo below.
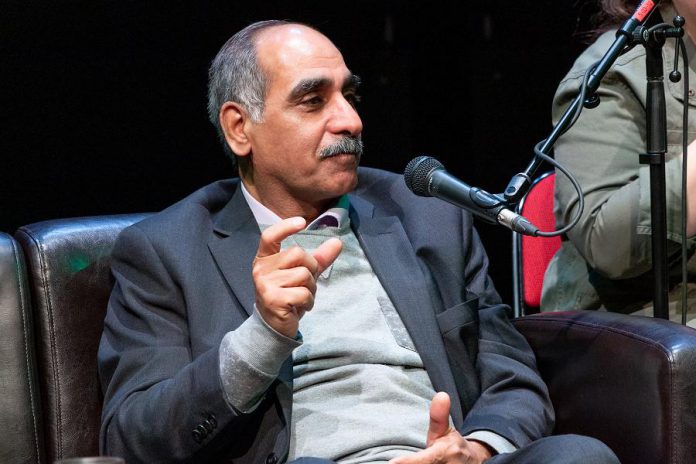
(285, 280)
(444, 444)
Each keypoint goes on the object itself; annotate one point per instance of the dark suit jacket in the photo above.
(183, 280)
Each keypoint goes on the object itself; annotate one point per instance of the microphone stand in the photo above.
(656, 146)
(631, 32)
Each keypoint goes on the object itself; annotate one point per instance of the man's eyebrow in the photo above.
(306, 86)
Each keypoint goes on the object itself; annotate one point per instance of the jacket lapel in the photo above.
(234, 245)
(393, 260)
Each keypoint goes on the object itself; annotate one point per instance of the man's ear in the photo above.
(234, 119)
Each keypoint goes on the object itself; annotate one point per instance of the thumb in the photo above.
(326, 253)
(439, 417)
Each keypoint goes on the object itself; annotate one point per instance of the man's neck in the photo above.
(285, 205)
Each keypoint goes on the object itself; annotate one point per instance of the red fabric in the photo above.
(536, 252)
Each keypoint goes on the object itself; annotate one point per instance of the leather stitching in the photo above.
(54, 368)
(27, 348)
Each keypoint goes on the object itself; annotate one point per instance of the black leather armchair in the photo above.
(21, 438)
(628, 380)
(68, 263)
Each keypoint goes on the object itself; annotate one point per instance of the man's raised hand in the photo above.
(285, 280)
(444, 444)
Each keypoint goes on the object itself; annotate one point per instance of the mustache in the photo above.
(346, 144)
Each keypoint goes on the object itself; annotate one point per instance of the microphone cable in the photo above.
(644, 10)
(685, 147)
(539, 154)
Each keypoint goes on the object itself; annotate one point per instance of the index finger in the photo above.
(274, 235)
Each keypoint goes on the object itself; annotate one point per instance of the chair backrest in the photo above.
(531, 255)
(68, 263)
(21, 439)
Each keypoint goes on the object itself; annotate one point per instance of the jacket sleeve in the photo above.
(602, 151)
(156, 393)
(514, 401)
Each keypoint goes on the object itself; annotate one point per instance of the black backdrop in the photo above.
(103, 102)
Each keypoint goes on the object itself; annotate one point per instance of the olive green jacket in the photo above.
(606, 259)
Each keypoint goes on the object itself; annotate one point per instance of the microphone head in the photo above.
(418, 172)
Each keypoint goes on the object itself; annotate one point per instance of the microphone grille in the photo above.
(417, 174)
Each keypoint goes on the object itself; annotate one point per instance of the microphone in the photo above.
(425, 176)
(643, 11)
(623, 36)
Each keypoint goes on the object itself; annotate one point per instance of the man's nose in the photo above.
(345, 119)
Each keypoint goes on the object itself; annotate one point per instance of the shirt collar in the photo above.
(266, 217)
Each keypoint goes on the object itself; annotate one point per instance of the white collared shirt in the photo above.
(266, 217)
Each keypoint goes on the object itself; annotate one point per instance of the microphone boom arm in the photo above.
(519, 184)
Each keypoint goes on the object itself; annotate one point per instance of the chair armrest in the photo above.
(629, 381)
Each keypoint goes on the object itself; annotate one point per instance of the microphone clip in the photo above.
(657, 35)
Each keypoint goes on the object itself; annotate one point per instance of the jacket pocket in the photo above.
(460, 333)
(458, 316)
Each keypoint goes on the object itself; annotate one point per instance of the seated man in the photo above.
(310, 311)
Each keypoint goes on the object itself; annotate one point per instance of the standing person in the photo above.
(310, 312)
(606, 260)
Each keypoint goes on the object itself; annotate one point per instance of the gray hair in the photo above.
(235, 75)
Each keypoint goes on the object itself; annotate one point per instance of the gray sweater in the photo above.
(360, 392)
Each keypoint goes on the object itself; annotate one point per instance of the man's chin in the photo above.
(346, 182)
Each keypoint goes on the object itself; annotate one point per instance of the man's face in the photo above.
(309, 108)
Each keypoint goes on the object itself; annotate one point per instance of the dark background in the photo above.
(102, 103)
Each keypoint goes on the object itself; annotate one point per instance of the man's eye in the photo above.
(313, 101)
